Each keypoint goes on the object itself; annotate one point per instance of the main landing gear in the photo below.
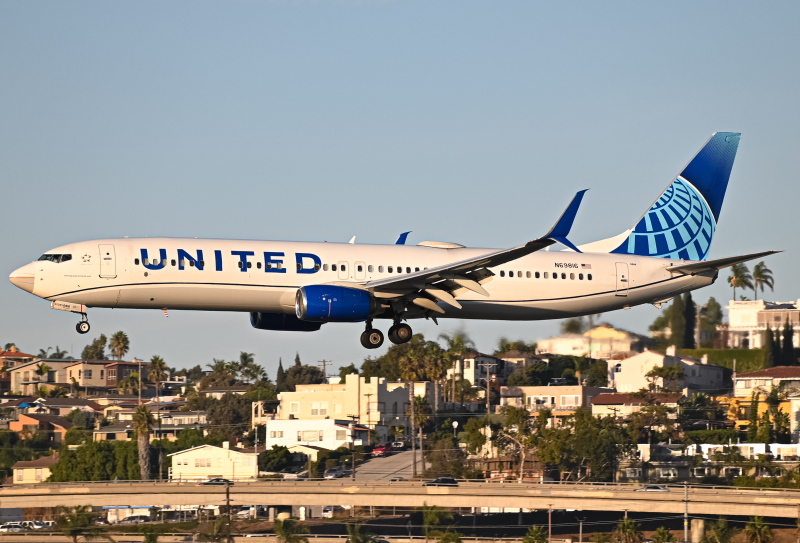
(372, 338)
(83, 326)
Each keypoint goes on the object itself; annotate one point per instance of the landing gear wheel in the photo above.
(372, 338)
(400, 333)
(82, 327)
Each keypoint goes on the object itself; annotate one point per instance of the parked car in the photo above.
(335, 472)
(652, 488)
(217, 481)
(399, 445)
(9, 527)
(442, 481)
(329, 510)
(32, 524)
(135, 519)
(247, 511)
(381, 450)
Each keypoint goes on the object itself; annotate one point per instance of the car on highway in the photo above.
(135, 519)
(442, 481)
(397, 479)
(399, 445)
(217, 481)
(381, 450)
(335, 472)
(10, 527)
(652, 488)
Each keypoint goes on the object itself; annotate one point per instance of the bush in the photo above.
(717, 437)
(746, 359)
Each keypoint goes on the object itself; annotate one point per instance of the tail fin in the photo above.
(682, 221)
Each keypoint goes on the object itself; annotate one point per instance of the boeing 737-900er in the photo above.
(296, 286)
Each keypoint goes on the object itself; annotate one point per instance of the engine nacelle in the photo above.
(331, 303)
(282, 322)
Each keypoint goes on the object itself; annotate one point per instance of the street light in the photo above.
(455, 425)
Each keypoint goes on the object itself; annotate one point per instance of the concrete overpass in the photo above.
(591, 497)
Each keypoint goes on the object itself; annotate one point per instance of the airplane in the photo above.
(299, 286)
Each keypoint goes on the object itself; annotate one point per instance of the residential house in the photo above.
(34, 471)
(217, 392)
(602, 341)
(326, 433)
(629, 375)
(12, 358)
(785, 378)
(623, 405)
(562, 401)
(28, 378)
(61, 407)
(370, 402)
(121, 370)
(748, 321)
(87, 376)
(207, 462)
(479, 368)
(262, 412)
(54, 427)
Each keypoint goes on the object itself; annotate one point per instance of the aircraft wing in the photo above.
(718, 264)
(444, 283)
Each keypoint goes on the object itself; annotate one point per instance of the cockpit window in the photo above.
(56, 258)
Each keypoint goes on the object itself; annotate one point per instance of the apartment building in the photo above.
(628, 375)
(562, 401)
(12, 358)
(748, 321)
(623, 405)
(327, 433)
(369, 402)
(479, 368)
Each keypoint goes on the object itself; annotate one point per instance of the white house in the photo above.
(748, 321)
(602, 341)
(628, 375)
(207, 462)
(326, 433)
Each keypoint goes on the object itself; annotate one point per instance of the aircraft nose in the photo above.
(23, 277)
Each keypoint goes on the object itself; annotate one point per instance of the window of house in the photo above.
(101, 374)
(38, 474)
(310, 435)
(87, 374)
(19, 474)
(394, 408)
(112, 374)
(319, 408)
(341, 435)
(294, 407)
(466, 364)
(633, 472)
(570, 401)
(299, 435)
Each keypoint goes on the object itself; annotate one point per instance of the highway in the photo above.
(594, 497)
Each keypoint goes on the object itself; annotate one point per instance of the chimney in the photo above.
(226, 444)
(671, 350)
(704, 359)
(13, 349)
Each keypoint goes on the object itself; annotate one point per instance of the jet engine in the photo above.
(331, 303)
(282, 322)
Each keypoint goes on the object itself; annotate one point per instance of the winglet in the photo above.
(401, 240)
(563, 225)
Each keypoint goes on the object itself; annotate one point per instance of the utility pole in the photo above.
(369, 439)
(488, 385)
(580, 530)
(324, 365)
(685, 512)
(353, 450)
(549, 523)
(228, 505)
(413, 439)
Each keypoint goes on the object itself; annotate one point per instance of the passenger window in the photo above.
(360, 268)
(369, 268)
(333, 267)
(269, 265)
(136, 261)
(299, 266)
(528, 275)
(589, 277)
(240, 265)
(344, 268)
(380, 269)
(399, 269)
(324, 267)
(572, 276)
(280, 265)
(391, 269)
(316, 267)
(155, 262)
(191, 264)
(545, 275)
(555, 276)
(502, 273)
(537, 275)
(519, 274)
(202, 263)
(173, 262)
(408, 270)
(563, 276)
(580, 276)
(258, 265)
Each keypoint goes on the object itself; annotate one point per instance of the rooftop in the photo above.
(778, 372)
(14, 353)
(50, 419)
(43, 462)
(608, 398)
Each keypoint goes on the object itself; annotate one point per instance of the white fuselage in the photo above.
(114, 279)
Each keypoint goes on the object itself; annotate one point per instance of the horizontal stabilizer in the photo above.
(717, 264)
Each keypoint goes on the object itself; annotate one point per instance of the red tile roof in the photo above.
(15, 354)
(778, 372)
(608, 398)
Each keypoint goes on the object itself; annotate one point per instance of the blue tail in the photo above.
(682, 222)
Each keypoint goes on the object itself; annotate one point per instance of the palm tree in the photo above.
(356, 535)
(290, 531)
(458, 345)
(663, 535)
(757, 532)
(433, 517)
(410, 373)
(246, 360)
(76, 524)
(762, 276)
(450, 537)
(44, 353)
(142, 423)
(158, 371)
(58, 354)
(119, 344)
(218, 532)
(150, 534)
(720, 532)
(536, 534)
(422, 412)
(740, 278)
(129, 384)
(42, 369)
(628, 531)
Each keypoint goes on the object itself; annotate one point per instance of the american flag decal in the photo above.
(165, 312)
(586, 266)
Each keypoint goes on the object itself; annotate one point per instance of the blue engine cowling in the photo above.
(331, 303)
(282, 322)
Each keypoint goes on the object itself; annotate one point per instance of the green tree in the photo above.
(740, 277)
(764, 433)
(628, 531)
(690, 320)
(344, 371)
(597, 376)
(302, 375)
(290, 531)
(246, 360)
(663, 535)
(150, 534)
(218, 532)
(130, 384)
(678, 321)
(575, 325)
(782, 425)
(96, 349)
(762, 276)
(756, 531)
(76, 524)
(504, 346)
(769, 340)
(752, 426)
(119, 345)
(142, 423)
(356, 534)
(720, 532)
(788, 357)
(449, 537)
(275, 459)
(229, 415)
(280, 377)
(536, 534)
(600, 537)
(517, 434)
(433, 517)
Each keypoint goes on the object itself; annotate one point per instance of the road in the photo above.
(379, 493)
(384, 469)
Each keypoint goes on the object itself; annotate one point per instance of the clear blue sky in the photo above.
(472, 122)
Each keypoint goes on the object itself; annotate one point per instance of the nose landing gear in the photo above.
(83, 326)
